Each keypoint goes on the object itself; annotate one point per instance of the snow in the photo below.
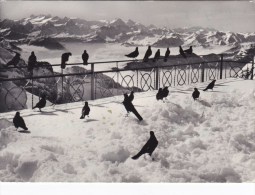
(210, 140)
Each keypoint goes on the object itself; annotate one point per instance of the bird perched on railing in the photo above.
(156, 56)
(85, 57)
(149, 147)
(130, 107)
(189, 51)
(42, 103)
(14, 61)
(195, 94)
(64, 59)
(182, 52)
(210, 85)
(31, 61)
(167, 54)
(147, 54)
(85, 111)
(18, 121)
(133, 54)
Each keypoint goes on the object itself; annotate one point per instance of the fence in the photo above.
(74, 84)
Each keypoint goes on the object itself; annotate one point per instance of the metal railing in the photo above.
(77, 84)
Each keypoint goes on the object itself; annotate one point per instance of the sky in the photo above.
(236, 16)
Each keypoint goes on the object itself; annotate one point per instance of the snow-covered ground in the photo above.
(211, 140)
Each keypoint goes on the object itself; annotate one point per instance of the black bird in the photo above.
(131, 96)
(147, 54)
(195, 94)
(159, 95)
(14, 61)
(41, 104)
(156, 56)
(130, 107)
(85, 111)
(133, 54)
(64, 59)
(149, 147)
(189, 51)
(31, 61)
(18, 121)
(210, 86)
(85, 57)
(167, 54)
(165, 92)
(182, 52)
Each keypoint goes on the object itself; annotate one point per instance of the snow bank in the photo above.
(210, 140)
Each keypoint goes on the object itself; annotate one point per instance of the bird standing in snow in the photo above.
(130, 107)
(159, 95)
(42, 102)
(195, 94)
(31, 61)
(156, 56)
(182, 52)
(147, 54)
(167, 54)
(149, 147)
(85, 111)
(64, 59)
(131, 96)
(210, 86)
(15, 60)
(18, 121)
(189, 51)
(133, 54)
(165, 92)
(85, 57)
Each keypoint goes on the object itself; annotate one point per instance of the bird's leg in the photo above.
(40, 109)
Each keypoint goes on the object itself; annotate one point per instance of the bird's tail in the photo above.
(34, 107)
(136, 156)
(205, 89)
(137, 115)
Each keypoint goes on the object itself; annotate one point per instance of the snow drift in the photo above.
(210, 140)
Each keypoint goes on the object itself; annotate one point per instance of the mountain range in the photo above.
(48, 31)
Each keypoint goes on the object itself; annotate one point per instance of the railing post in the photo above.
(157, 77)
(32, 90)
(92, 82)
(203, 73)
(62, 86)
(221, 65)
(252, 67)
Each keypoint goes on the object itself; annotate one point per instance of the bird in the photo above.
(85, 111)
(147, 54)
(195, 94)
(189, 51)
(149, 147)
(131, 96)
(159, 95)
(14, 61)
(41, 104)
(210, 86)
(64, 59)
(182, 52)
(130, 107)
(165, 92)
(133, 54)
(156, 56)
(18, 121)
(167, 54)
(31, 61)
(85, 57)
